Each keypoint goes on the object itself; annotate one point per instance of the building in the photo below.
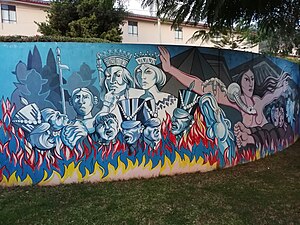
(146, 29)
(18, 17)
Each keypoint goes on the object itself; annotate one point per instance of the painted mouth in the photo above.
(127, 138)
(109, 133)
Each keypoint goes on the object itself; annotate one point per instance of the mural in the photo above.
(76, 112)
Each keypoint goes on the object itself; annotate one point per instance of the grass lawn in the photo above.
(263, 192)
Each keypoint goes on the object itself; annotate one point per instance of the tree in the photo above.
(84, 18)
(268, 18)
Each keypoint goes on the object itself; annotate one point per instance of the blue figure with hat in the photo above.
(152, 124)
(182, 118)
(152, 132)
(132, 128)
(29, 118)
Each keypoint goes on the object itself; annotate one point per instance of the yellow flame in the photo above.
(257, 154)
(16, 180)
(134, 169)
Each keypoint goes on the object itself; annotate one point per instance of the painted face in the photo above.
(152, 133)
(133, 134)
(247, 83)
(58, 120)
(108, 129)
(43, 140)
(281, 117)
(83, 103)
(146, 76)
(179, 125)
(114, 79)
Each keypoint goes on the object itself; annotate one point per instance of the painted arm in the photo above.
(182, 77)
(186, 79)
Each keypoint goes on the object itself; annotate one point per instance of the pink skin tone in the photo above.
(241, 129)
(247, 86)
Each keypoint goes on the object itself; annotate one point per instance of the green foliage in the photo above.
(275, 21)
(84, 18)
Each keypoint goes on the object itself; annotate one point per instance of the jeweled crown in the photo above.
(146, 58)
(116, 58)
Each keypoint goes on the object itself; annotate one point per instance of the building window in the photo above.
(132, 28)
(178, 33)
(8, 14)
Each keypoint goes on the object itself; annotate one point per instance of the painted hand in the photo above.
(165, 58)
(110, 98)
(243, 135)
(214, 83)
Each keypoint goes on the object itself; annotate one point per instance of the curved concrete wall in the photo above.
(74, 112)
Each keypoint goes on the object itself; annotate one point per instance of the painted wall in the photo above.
(75, 112)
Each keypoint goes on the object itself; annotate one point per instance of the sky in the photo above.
(134, 6)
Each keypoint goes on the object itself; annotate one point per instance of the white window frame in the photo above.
(8, 14)
(133, 28)
(178, 33)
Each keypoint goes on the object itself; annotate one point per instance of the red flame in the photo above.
(211, 158)
(197, 133)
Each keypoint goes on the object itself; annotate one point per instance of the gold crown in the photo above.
(115, 58)
(146, 58)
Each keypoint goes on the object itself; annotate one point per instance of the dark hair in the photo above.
(101, 118)
(269, 84)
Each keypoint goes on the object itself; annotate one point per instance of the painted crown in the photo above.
(116, 58)
(28, 117)
(145, 58)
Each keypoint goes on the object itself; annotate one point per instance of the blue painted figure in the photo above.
(218, 126)
(152, 132)
(56, 119)
(107, 128)
(29, 118)
(184, 113)
(132, 131)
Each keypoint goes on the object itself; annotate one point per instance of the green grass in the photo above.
(263, 192)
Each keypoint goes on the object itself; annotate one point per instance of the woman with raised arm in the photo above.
(244, 97)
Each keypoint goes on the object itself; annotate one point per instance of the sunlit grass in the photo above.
(263, 192)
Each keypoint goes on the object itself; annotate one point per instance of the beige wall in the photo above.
(26, 15)
(148, 32)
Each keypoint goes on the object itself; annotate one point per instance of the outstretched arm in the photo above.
(182, 77)
(201, 87)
